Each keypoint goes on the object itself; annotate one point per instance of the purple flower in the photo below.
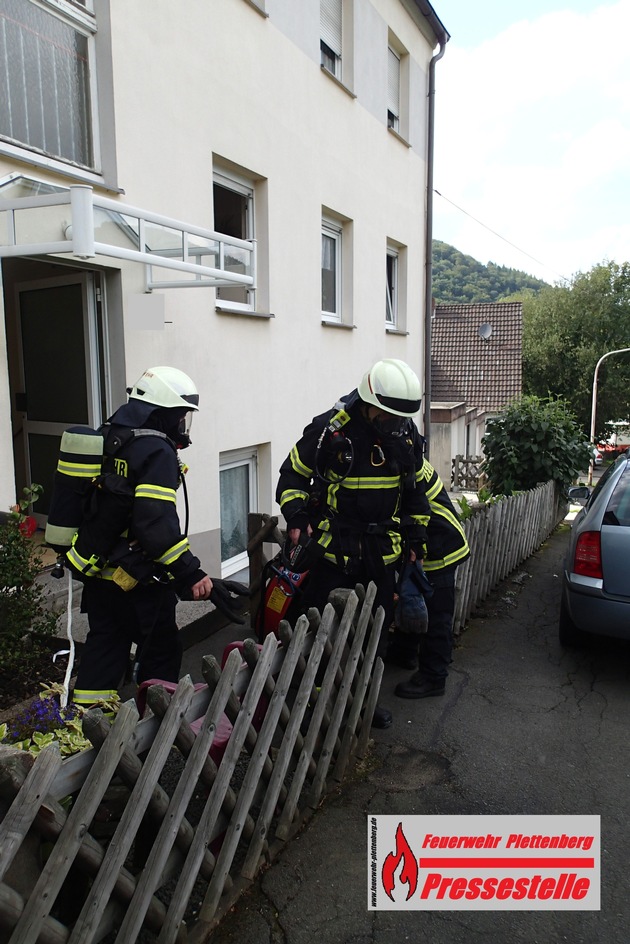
(43, 715)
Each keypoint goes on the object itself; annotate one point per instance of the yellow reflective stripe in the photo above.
(79, 469)
(389, 481)
(86, 696)
(145, 490)
(420, 519)
(173, 552)
(87, 566)
(331, 496)
(442, 512)
(298, 466)
(291, 494)
(453, 558)
(324, 539)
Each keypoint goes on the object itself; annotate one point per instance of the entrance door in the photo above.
(61, 385)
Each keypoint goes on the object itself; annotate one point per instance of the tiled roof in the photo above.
(465, 367)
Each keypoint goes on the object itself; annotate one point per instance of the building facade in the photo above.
(236, 188)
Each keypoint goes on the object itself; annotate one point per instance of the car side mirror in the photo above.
(579, 493)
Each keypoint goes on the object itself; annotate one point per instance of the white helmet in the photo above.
(165, 386)
(391, 385)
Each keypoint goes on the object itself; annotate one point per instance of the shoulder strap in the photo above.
(114, 443)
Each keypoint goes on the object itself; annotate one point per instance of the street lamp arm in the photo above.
(622, 350)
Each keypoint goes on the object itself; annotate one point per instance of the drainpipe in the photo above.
(428, 266)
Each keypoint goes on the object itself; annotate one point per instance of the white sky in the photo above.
(533, 133)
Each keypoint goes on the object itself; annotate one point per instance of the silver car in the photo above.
(596, 576)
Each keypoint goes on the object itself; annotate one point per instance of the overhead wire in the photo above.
(499, 236)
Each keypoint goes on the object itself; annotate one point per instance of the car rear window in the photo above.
(618, 508)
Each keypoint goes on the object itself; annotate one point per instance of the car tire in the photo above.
(568, 633)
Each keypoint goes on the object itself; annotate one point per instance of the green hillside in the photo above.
(460, 279)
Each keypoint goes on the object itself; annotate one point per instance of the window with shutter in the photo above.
(393, 89)
(331, 20)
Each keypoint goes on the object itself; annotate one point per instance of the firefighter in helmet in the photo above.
(129, 550)
(351, 492)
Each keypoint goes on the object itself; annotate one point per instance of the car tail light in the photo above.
(588, 555)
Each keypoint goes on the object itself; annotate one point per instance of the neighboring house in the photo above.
(476, 369)
(238, 188)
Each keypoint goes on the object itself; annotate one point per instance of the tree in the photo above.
(460, 279)
(566, 329)
(531, 441)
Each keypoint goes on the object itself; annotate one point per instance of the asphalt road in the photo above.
(524, 728)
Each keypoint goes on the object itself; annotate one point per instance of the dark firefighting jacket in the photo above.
(359, 491)
(131, 530)
(446, 542)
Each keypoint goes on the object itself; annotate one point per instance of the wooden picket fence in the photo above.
(501, 536)
(255, 751)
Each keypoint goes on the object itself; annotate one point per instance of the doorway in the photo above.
(61, 347)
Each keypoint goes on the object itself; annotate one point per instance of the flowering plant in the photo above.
(44, 721)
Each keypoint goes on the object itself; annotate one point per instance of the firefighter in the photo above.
(447, 548)
(351, 496)
(129, 550)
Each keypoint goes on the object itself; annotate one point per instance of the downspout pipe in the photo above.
(428, 242)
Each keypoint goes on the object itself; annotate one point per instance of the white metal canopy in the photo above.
(81, 224)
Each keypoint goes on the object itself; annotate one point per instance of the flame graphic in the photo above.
(409, 872)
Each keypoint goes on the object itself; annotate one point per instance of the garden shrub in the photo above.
(26, 623)
(533, 440)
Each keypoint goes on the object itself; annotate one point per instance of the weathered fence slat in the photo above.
(343, 694)
(254, 770)
(51, 879)
(20, 816)
(150, 877)
(92, 911)
(286, 749)
(213, 806)
(341, 632)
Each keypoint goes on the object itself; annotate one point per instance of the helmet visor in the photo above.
(398, 406)
(183, 429)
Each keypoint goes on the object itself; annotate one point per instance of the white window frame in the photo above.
(245, 188)
(231, 460)
(82, 20)
(392, 287)
(331, 35)
(333, 230)
(393, 89)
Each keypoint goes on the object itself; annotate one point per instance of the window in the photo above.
(396, 287)
(331, 270)
(391, 301)
(234, 216)
(393, 89)
(47, 101)
(238, 487)
(331, 23)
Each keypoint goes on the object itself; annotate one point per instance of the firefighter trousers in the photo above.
(117, 618)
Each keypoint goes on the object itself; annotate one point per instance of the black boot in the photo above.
(382, 718)
(419, 687)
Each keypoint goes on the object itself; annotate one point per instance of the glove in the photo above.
(221, 596)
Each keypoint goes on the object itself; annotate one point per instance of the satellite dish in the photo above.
(485, 331)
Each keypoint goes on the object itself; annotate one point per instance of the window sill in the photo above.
(399, 137)
(228, 310)
(258, 6)
(390, 329)
(337, 324)
(333, 78)
(35, 159)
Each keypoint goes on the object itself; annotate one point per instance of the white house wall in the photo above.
(197, 84)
